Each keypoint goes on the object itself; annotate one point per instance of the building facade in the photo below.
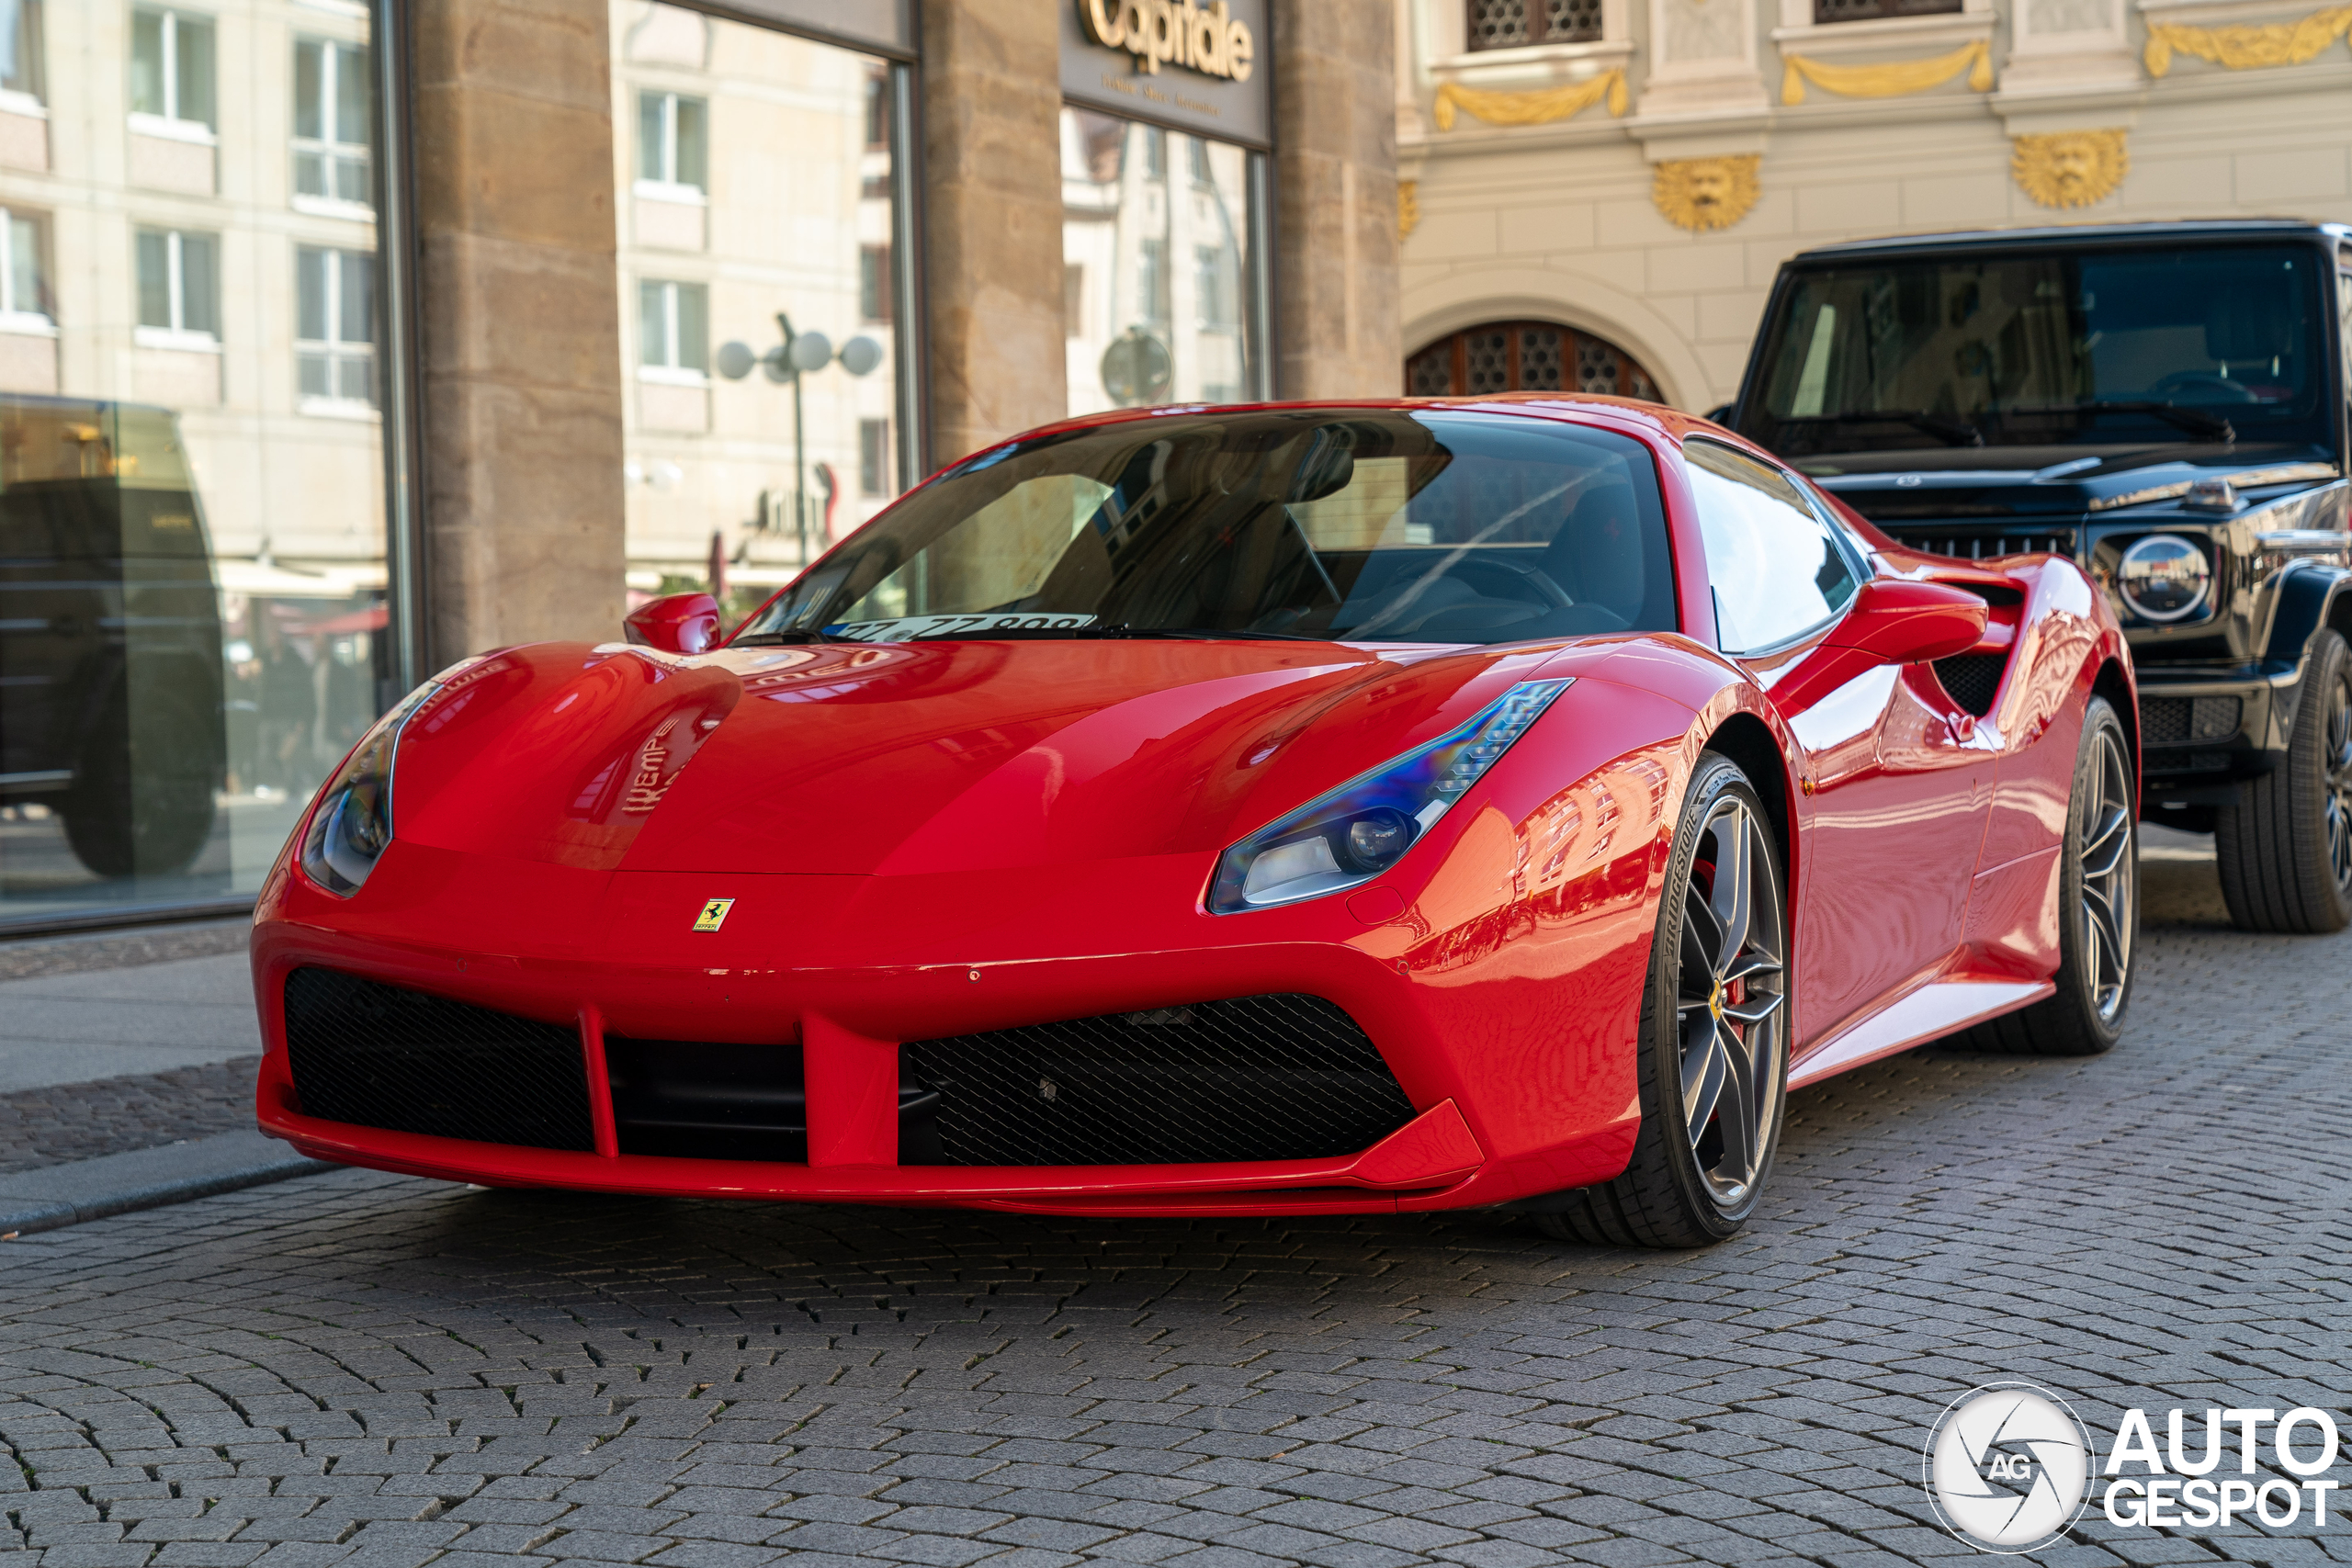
(1626, 175)
(342, 338)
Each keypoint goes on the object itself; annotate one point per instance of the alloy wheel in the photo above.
(2339, 782)
(2111, 876)
(1731, 1002)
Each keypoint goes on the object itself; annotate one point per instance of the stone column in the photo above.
(518, 323)
(1338, 326)
(992, 220)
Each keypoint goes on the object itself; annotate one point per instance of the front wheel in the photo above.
(2284, 849)
(1714, 1035)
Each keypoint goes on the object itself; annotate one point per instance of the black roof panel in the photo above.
(2195, 231)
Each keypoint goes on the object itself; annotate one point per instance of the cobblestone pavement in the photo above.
(379, 1373)
(69, 1121)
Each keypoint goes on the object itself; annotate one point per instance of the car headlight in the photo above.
(2163, 578)
(353, 821)
(1346, 838)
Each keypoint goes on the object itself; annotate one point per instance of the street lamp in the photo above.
(798, 354)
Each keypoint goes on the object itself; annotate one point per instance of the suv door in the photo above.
(1899, 796)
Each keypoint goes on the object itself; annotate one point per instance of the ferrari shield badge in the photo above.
(714, 914)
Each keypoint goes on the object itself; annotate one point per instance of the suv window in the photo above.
(1778, 570)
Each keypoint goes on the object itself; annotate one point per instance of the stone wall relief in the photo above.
(2070, 168)
(1699, 194)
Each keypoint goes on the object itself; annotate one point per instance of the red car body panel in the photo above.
(933, 839)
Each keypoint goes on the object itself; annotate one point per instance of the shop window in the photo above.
(1525, 356)
(25, 299)
(172, 73)
(673, 330)
(334, 332)
(1515, 24)
(1162, 285)
(673, 145)
(179, 286)
(331, 119)
(1870, 10)
(21, 53)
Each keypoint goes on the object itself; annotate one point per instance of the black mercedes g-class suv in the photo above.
(2165, 403)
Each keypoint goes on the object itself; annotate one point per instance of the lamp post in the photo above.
(797, 355)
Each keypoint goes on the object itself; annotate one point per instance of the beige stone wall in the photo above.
(992, 221)
(519, 329)
(1557, 223)
(1335, 263)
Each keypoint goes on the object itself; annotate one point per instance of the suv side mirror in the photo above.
(683, 623)
(1892, 620)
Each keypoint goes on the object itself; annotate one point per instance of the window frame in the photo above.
(335, 350)
(171, 123)
(32, 41)
(177, 334)
(16, 318)
(1539, 35)
(1847, 549)
(663, 183)
(329, 150)
(671, 372)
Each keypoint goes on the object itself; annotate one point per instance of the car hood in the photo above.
(2050, 483)
(925, 757)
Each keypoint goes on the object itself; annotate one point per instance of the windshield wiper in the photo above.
(2195, 422)
(1951, 431)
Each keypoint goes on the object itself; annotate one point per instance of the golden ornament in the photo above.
(1408, 208)
(1893, 79)
(1699, 194)
(2242, 47)
(2070, 168)
(1540, 107)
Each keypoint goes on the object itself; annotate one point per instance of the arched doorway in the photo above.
(1525, 356)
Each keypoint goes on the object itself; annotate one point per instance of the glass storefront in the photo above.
(760, 204)
(1162, 266)
(192, 532)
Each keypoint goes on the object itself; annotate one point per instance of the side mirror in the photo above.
(1891, 620)
(683, 623)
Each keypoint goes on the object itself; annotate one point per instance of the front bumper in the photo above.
(2204, 732)
(1508, 1022)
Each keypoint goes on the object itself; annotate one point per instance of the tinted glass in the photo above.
(1379, 526)
(1776, 571)
(2102, 346)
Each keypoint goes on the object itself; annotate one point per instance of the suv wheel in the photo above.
(147, 817)
(2286, 848)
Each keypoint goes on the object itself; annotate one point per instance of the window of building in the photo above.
(1163, 290)
(672, 143)
(172, 71)
(334, 332)
(20, 52)
(25, 301)
(1870, 10)
(673, 331)
(1515, 24)
(874, 458)
(179, 286)
(877, 111)
(1525, 356)
(331, 117)
(873, 283)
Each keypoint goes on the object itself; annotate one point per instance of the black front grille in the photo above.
(1972, 679)
(2182, 721)
(1257, 1078)
(1984, 545)
(378, 1055)
(699, 1100)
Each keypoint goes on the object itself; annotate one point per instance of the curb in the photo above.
(67, 1194)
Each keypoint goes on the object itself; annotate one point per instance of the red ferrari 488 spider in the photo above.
(1278, 809)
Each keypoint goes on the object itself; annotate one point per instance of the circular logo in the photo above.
(2008, 1467)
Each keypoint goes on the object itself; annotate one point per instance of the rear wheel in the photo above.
(1714, 1036)
(2284, 849)
(2099, 900)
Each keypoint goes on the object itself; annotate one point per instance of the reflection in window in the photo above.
(672, 142)
(1776, 570)
(334, 334)
(874, 458)
(179, 283)
(873, 283)
(673, 328)
(171, 67)
(331, 117)
(20, 49)
(25, 300)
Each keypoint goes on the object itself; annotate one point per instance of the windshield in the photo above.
(2098, 346)
(1363, 524)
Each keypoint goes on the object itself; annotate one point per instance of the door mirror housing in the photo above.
(683, 623)
(1892, 620)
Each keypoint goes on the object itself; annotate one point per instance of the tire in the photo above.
(1713, 1046)
(149, 814)
(2098, 903)
(2284, 849)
